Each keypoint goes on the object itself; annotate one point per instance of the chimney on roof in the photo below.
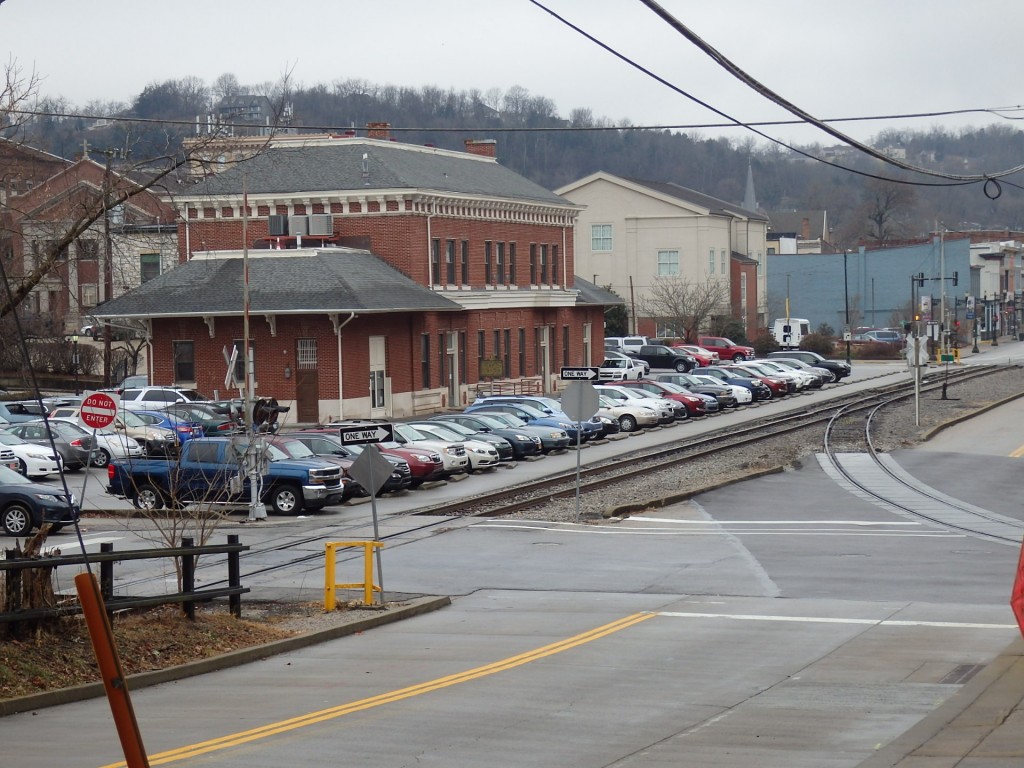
(805, 229)
(484, 147)
(378, 131)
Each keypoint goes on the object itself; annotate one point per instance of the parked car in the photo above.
(500, 444)
(523, 441)
(15, 412)
(155, 440)
(660, 356)
(330, 445)
(32, 460)
(757, 388)
(183, 428)
(722, 393)
(840, 368)
(695, 404)
(529, 415)
(625, 343)
(817, 378)
(147, 398)
(214, 423)
(109, 443)
(778, 387)
(131, 382)
(551, 438)
(703, 356)
(794, 383)
(826, 376)
(75, 449)
(293, 448)
(481, 453)
(611, 354)
(743, 395)
(453, 454)
(666, 409)
(25, 505)
(8, 458)
(619, 369)
(727, 349)
(551, 407)
(630, 416)
(424, 465)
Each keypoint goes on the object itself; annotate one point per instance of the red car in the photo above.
(424, 465)
(704, 357)
(777, 386)
(694, 405)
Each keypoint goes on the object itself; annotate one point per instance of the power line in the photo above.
(775, 98)
(748, 126)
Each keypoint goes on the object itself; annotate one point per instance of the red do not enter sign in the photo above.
(98, 410)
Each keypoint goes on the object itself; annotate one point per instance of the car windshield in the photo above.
(131, 420)
(8, 439)
(439, 431)
(295, 448)
(614, 364)
(409, 433)
(458, 429)
(491, 421)
(193, 394)
(508, 419)
(9, 477)
(708, 380)
(671, 387)
(67, 429)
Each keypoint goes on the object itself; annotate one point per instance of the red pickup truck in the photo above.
(726, 348)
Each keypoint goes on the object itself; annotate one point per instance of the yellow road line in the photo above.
(312, 718)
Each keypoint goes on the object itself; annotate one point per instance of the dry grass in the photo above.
(62, 657)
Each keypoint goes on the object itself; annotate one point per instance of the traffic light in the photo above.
(907, 326)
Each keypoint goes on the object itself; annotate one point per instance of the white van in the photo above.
(790, 331)
(625, 343)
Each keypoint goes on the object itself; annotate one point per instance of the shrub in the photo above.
(876, 350)
(818, 342)
(764, 343)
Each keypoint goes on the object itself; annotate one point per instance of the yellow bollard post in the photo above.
(367, 585)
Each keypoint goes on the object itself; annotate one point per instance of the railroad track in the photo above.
(631, 468)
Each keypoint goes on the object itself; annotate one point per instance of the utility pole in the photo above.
(254, 444)
(846, 293)
(108, 267)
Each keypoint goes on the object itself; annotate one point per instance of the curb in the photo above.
(224, 661)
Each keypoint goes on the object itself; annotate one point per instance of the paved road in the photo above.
(779, 622)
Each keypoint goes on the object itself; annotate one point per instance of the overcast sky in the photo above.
(860, 58)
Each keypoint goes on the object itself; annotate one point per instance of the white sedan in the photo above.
(482, 455)
(109, 444)
(629, 416)
(34, 460)
(454, 455)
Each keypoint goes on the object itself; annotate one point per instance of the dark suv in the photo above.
(660, 356)
(839, 368)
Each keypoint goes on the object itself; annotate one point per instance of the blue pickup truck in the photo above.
(209, 469)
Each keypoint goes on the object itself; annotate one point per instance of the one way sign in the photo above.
(580, 374)
(376, 433)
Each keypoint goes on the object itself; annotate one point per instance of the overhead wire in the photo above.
(763, 90)
(748, 126)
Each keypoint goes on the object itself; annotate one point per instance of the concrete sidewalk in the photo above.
(980, 726)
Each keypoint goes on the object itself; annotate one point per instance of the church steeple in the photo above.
(750, 198)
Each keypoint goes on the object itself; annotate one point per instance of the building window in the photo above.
(441, 367)
(565, 345)
(425, 360)
(512, 264)
(533, 263)
(508, 351)
(500, 264)
(240, 361)
(723, 262)
(771, 251)
(481, 351)
(711, 262)
(449, 262)
(600, 237)
(435, 260)
(464, 263)
(554, 264)
(743, 293)
(149, 266)
(89, 294)
(668, 263)
(522, 351)
(586, 343)
(544, 264)
(488, 273)
(497, 350)
(88, 250)
(462, 358)
(184, 361)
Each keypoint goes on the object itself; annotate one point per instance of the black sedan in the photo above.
(524, 442)
(758, 389)
(25, 505)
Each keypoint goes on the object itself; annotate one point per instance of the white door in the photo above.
(380, 407)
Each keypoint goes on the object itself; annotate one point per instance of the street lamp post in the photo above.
(846, 295)
(74, 362)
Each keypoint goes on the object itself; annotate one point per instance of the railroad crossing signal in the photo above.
(98, 411)
(376, 433)
(580, 374)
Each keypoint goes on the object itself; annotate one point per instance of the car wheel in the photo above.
(23, 467)
(286, 500)
(148, 498)
(681, 366)
(17, 519)
(627, 423)
(739, 357)
(101, 458)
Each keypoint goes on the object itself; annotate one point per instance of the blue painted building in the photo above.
(877, 282)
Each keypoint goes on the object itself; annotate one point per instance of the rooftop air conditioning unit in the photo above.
(321, 224)
(278, 225)
(298, 225)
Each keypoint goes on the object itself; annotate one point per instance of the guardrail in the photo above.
(14, 568)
